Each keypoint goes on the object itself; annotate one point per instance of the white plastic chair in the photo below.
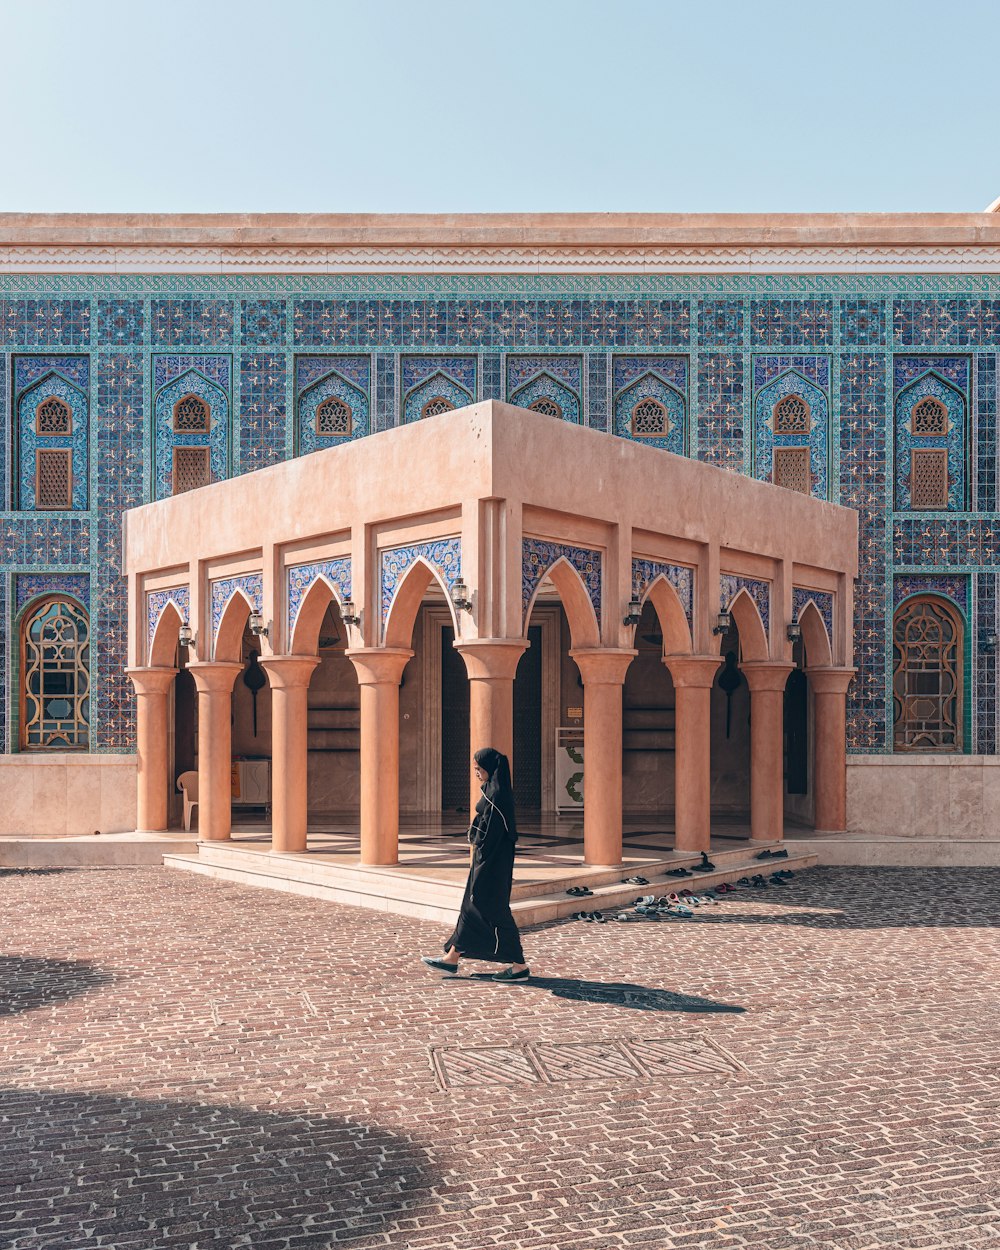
(187, 783)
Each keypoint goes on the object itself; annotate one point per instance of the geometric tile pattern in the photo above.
(759, 591)
(808, 377)
(645, 572)
(28, 586)
(425, 378)
(337, 574)
(66, 380)
(156, 602)
(955, 588)
(986, 663)
(344, 378)
(663, 379)
(720, 410)
(823, 602)
(262, 411)
(209, 379)
(945, 380)
(252, 587)
(538, 556)
(443, 555)
(558, 379)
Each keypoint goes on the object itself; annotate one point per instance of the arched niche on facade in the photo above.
(229, 635)
(815, 639)
(407, 600)
(753, 636)
(671, 615)
(584, 628)
(928, 680)
(305, 631)
(163, 644)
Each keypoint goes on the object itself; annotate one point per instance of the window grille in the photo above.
(928, 478)
(191, 415)
(52, 416)
(53, 478)
(649, 419)
(926, 683)
(791, 415)
(547, 406)
(436, 405)
(791, 469)
(929, 417)
(192, 468)
(333, 416)
(55, 686)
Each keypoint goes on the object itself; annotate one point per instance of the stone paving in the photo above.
(189, 1063)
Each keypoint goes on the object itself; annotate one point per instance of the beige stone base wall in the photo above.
(927, 796)
(63, 795)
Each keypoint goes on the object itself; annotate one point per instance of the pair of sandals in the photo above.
(579, 891)
(597, 917)
(782, 854)
(678, 872)
(634, 881)
(706, 865)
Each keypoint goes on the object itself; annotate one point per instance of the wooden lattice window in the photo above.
(547, 406)
(928, 477)
(791, 415)
(192, 415)
(192, 468)
(52, 416)
(791, 469)
(436, 405)
(649, 419)
(53, 477)
(55, 685)
(333, 417)
(929, 418)
(927, 676)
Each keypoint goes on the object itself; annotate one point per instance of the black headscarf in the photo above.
(497, 768)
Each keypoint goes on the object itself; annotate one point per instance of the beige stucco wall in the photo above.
(61, 795)
(928, 796)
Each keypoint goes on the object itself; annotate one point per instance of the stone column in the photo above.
(829, 687)
(288, 677)
(766, 680)
(491, 664)
(379, 670)
(603, 673)
(693, 677)
(152, 685)
(214, 683)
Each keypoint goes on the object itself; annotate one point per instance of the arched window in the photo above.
(649, 419)
(927, 676)
(929, 417)
(436, 405)
(333, 416)
(547, 406)
(791, 415)
(191, 415)
(55, 684)
(52, 416)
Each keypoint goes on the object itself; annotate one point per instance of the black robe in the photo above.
(486, 928)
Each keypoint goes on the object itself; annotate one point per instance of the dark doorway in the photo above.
(797, 732)
(527, 762)
(456, 752)
(185, 724)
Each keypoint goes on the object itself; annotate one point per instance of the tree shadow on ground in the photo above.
(150, 1174)
(26, 984)
(33, 872)
(613, 993)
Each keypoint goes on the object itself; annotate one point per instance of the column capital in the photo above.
(602, 666)
(766, 674)
(151, 680)
(285, 672)
(830, 680)
(692, 670)
(491, 657)
(377, 666)
(214, 676)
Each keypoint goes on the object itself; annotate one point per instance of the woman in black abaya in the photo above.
(486, 928)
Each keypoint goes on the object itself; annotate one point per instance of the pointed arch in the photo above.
(439, 386)
(753, 636)
(46, 380)
(402, 613)
(933, 375)
(816, 640)
(671, 615)
(303, 636)
(542, 385)
(584, 627)
(163, 643)
(232, 622)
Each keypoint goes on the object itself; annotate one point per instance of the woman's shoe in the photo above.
(509, 976)
(442, 965)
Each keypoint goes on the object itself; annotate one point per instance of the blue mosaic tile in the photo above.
(5, 625)
(120, 322)
(424, 379)
(191, 322)
(986, 432)
(730, 585)
(862, 323)
(955, 588)
(807, 377)
(250, 585)
(663, 379)
(262, 322)
(824, 604)
(262, 410)
(791, 323)
(347, 378)
(645, 572)
(950, 322)
(385, 383)
(538, 557)
(946, 381)
(201, 381)
(301, 578)
(28, 586)
(492, 375)
(443, 555)
(597, 391)
(67, 380)
(156, 602)
(6, 443)
(45, 322)
(986, 663)
(720, 410)
(720, 322)
(547, 379)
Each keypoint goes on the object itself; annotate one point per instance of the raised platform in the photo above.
(108, 850)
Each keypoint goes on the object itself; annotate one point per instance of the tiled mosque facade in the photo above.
(715, 348)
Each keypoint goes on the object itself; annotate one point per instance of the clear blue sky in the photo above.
(516, 105)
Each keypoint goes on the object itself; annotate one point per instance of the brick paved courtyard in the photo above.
(192, 1063)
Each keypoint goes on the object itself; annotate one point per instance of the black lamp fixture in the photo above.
(185, 635)
(257, 626)
(794, 632)
(723, 622)
(347, 613)
(634, 613)
(460, 595)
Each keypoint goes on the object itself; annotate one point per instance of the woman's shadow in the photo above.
(614, 994)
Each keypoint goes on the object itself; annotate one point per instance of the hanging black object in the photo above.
(254, 680)
(729, 681)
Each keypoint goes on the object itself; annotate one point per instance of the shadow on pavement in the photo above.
(614, 993)
(149, 1174)
(27, 984)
